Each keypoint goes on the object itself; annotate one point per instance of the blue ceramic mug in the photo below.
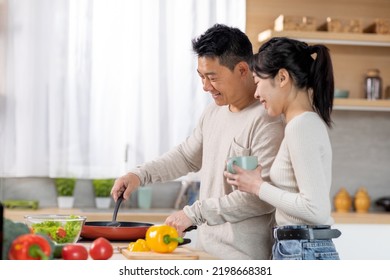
(245, 162)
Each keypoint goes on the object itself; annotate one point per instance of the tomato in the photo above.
(101, 249)
(74, 252)
(61, 233)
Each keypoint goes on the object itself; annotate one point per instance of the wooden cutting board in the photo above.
(180, 253)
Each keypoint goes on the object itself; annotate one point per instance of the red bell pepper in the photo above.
(30, 247)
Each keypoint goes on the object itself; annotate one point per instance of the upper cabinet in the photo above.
(353, 54)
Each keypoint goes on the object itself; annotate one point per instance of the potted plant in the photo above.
(102, 189)
(65, 190)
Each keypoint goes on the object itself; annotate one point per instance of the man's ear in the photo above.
(243, 68)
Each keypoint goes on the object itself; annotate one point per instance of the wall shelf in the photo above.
(333, 38)
(347, 39)
(361, 104)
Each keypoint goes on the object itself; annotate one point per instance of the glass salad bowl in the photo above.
(61, 229)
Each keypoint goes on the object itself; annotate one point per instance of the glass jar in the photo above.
(373, 84)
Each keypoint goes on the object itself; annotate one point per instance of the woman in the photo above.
(296, 80)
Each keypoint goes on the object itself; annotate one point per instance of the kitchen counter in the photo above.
(136, 215)
(159, 215)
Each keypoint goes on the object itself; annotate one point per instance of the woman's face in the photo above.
(270, 94)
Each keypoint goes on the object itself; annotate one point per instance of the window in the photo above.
(95, 87)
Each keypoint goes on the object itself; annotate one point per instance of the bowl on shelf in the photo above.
(341, 93)
(61, 229)
(384, 202)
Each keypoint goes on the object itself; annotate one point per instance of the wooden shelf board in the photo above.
(362, 218)
(361, 104)
(335, 38)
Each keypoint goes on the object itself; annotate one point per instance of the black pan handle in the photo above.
(185, 241)
(190, 228)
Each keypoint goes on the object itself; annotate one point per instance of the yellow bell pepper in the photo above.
(138, 246)
(162, 238)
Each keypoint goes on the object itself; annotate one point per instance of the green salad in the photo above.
(59, 232)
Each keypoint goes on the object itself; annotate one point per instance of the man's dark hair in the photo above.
(230, 45)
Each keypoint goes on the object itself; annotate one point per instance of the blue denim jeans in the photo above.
(304, 249)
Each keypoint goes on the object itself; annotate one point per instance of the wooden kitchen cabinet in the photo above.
(353, 54)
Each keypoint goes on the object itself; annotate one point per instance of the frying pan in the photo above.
(117, 231)
(114, 230)
(125, 231)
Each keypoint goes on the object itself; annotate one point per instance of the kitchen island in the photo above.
(155, 216)
(362, 233)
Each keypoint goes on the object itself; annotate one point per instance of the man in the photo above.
(231, 224)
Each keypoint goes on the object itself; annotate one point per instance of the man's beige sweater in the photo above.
(231, 224)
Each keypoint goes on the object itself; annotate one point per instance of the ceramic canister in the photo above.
(343, 201)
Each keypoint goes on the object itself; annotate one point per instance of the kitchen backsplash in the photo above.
(361, 158)
(361, 152)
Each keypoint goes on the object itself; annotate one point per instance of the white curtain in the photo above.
(93, 87)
